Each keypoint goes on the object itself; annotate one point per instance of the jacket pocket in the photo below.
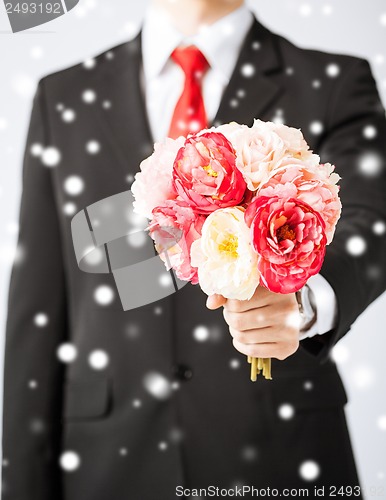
(87, 399)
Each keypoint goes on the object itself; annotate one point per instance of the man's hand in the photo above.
(266, 326)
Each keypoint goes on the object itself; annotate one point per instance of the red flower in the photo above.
(290, 238)
(205, 173)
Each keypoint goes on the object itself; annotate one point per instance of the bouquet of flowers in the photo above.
(236, 207)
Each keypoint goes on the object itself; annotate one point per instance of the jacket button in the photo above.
(183, 372)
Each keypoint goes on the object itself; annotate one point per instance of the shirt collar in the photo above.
(220, 42)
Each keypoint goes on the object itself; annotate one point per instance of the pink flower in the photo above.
(153, 184)
(289, 236)
(316, 186)
(174, 227)
(205, 173)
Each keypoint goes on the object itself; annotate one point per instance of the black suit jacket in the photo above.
(215, 427)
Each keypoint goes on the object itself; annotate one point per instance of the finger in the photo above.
(259, 299)
(263, 336)
(276, 350)
(215, 301)
(267, 350)
(249, 320)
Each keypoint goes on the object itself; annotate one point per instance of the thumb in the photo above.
(215, 301)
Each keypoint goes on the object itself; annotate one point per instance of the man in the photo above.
(144, 401)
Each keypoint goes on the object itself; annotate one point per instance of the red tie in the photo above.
(189, 114)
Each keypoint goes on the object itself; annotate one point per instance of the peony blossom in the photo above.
(289, 236)
(153, 184)
(316, 186)
(259, 151)
(226, 261)
(293, 139)
(174, 227)
(205, 173)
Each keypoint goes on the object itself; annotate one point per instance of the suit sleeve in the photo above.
(36, 325)
(355, 141)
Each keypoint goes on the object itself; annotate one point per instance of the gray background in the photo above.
(347, 26)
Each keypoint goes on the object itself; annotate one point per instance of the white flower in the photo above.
(259, 150)
(295, 144)
(226, 261)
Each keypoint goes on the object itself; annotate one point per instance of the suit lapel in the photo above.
(125, 124)
(250, 90)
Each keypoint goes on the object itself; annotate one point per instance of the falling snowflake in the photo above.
(69, 208)
(104, 295)
(382, 19)
(73, 185)
(98, 359)
(137, 403)
(356, 246)
(106, 104)
(157, 385)
(228, 29)
(370, 164)
(89, 96)
(333, 70)
(137, 239)
(249, 453)
(363, 377)
(382, 422)
(36, 52)
(309, 470)
(37, 426)
(256, 45)
(23, 85)
(68, 115)
(123, 452)
(308, 385)
(370, 132)
(165, 280)
(93, 147)
(3, 123)
(41, 319)
(67, 352)
(132, 331)
(379, 228)
(32, 384)
(36, 149)
(163, 446)
(89, 63)
(95, 257)
(316, 84)
(316, 128)
(247, 70)
(51, 157)
(305, 10)
(340, 353)
(234, 364)
(286, 411)
(201, 333)
(327, 10)
(69, 461)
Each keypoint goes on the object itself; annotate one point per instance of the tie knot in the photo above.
(191, 60)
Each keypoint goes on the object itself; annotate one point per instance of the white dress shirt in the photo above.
(163, 82)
